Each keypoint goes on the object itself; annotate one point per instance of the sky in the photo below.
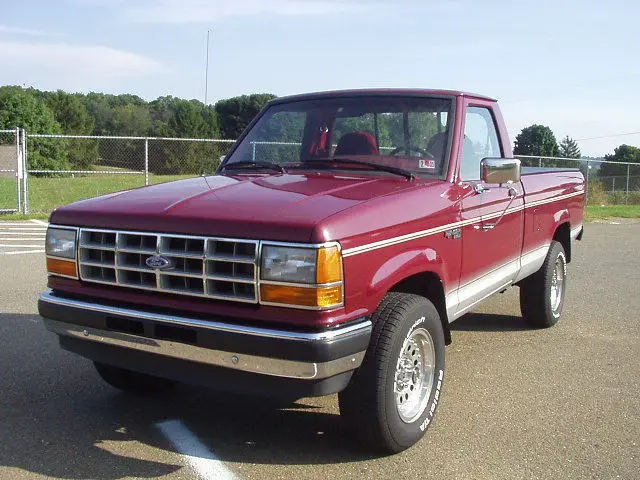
(571, 65)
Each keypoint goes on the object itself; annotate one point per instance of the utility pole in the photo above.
(206, 71)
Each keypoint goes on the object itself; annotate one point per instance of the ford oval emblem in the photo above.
(158, 262)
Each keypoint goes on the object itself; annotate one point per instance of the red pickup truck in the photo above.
(337, 241)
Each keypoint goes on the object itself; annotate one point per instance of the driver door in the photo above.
(490, 256)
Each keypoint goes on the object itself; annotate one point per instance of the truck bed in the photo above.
(533, 170)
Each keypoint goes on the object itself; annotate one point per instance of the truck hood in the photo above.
(282, 207)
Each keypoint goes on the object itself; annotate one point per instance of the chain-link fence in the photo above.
(41, 172)
(609, 183)
(10, 171)
(67, 168)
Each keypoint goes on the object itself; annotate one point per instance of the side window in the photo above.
(480, 141)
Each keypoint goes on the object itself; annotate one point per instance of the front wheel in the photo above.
(392, 397)
(542, 294)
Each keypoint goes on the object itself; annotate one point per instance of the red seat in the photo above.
(357, 143)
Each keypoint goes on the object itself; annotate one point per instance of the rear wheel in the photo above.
(132, 382)
(392, 397)
(542, 294)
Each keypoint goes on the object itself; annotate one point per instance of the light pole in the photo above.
(206, 71)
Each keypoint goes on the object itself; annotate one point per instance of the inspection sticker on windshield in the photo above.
(431, 164)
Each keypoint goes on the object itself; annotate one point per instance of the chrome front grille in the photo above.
(211, 267)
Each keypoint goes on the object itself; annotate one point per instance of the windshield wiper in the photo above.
(383, 168)
(249, 165)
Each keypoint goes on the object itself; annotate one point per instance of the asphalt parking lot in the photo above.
(562, 403)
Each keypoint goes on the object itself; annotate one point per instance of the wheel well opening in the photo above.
(428, 285)
(563, 235)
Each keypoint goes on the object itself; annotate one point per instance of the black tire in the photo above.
(539, 307)
(132, 382)
(368, 404)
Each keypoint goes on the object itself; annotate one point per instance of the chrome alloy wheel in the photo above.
(415, 373)
(557, 283)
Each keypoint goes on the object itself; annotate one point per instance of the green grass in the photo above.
(47, 193)
(20, 216)
(595, 212)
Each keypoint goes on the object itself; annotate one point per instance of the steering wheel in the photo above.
(413, 148)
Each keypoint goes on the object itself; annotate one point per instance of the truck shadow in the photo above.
(489, 322)
(60, 420)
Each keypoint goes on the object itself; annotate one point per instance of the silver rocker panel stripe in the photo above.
(465, 297)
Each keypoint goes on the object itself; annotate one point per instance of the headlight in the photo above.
(316, 273)
(61, 242)
(288, 264)
(60, 246)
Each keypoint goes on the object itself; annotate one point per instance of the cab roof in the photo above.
(380, 91)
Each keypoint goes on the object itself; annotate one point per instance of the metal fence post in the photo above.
(146, 162)
(25, 173)
(626, 198)
(19, 172)
(586, 193)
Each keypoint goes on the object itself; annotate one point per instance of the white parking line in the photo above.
(199, 458)
(26, 229)
(14, 245)
(13, 224)
(20, 252)
(21, 239)
(29, 234)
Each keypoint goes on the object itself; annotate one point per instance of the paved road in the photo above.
(518, 403)
(22, 237)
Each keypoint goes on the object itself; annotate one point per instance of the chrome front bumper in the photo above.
(277, 353)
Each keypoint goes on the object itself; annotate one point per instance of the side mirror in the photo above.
(500, 170)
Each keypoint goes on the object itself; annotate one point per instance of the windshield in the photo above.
(410, 133)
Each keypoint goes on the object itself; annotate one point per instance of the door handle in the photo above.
(479, 188)
(513, 194)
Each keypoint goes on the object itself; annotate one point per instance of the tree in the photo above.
(568, 148)
(237, 112)
(21, 108)
(538, 141)
(101, 111)
(132, 120)
(71, 113)
(176, 117)
(623, 153)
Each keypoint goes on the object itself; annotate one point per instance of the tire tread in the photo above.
(359, 402)
(535, 304)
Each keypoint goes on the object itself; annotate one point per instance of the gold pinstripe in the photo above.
(432, 231)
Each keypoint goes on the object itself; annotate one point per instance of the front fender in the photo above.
(402, 265)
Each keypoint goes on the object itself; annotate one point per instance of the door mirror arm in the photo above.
(513, 194)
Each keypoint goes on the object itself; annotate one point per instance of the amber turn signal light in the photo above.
(302, 296)
(57, 266)
(328, 265)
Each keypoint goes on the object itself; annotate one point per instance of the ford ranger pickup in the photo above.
(337, 241)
